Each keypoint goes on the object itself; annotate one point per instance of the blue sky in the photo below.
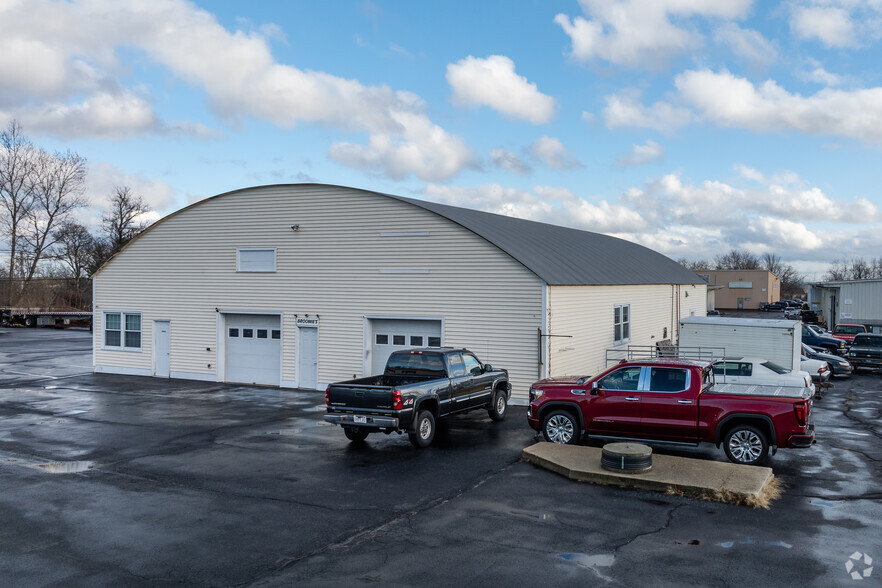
(690, 126)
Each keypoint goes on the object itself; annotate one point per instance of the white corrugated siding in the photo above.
(185, 267)
(585, 313)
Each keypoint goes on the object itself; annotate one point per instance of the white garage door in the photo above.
(390, 335)
(253, 349)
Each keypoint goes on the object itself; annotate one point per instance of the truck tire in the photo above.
(425, 430)
(561, 427)
(499, 406)
(356, 434)
(30, 321)
(746, 445)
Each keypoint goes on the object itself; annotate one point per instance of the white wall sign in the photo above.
(846, 315)
(307, 322)
(846, 301)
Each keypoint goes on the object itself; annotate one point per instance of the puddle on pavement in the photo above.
(65, 467)
(603, 560)
(298, 427)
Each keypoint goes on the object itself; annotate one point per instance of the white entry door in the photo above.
(253, 349)
(161, 349)
(388, 335)
(307, 363)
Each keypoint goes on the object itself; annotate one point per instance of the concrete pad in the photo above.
(712, 480)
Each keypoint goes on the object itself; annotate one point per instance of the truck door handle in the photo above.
(578, 392)
(684, 402)
(632, 398)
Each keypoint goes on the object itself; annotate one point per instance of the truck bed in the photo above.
(754, 390)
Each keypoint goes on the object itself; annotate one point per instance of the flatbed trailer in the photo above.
(32, 317)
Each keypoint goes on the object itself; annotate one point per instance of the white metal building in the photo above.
(302, 285)
(848, 301)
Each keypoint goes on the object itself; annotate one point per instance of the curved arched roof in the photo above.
(566, 257)
(558, 255)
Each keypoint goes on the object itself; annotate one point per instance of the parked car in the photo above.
(758, 372)
(792, 313)
(773, 306)
(816, 368)
(418, 387)
(838, 366)
(812, 335)
(809, 317)
(846, 331)
(866, 351)
(672, 401)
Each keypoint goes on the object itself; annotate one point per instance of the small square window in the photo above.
(434, 341)
(382, 339)
(277, 334)
(248, 333)
(261, 333)
(133, 339)
(416, 340)
(398, 339)
(234, 332)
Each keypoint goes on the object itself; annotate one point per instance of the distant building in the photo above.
(742, 289)
(848, 301)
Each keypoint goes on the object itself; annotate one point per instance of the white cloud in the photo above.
(545, 204)
(750, 173)
(551, 152)
(637, 33)
(493, 82)
(49, 43)
(510, 161)
(730, 101)
(643, 154)
(830, 25)
(625, 110)
(748, 44)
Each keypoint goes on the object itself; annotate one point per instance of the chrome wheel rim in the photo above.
(746, 446)
(425, 428)
(559, 429)
(500, 404)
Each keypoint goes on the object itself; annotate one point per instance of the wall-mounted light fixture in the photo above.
(295, 228)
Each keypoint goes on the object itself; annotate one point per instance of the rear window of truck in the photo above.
(419, 364)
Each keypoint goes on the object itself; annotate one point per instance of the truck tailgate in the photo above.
(369, 397)
(753, 390)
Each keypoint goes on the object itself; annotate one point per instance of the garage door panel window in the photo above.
(234, 332)
(398, 339)
(122, 330)
(248, 333)
(262, 333)
(416, 341)
(434, 341)
(382, 339)
(622, 323)
(277, 334)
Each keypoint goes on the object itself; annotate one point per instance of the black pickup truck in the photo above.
(418, 387)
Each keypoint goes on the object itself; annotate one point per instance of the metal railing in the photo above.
(663, 350)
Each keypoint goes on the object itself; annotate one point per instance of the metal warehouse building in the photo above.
(302, 285)
(848, 301)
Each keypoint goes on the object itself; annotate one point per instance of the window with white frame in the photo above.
(122, 330)
(256, 259)
(622, 322)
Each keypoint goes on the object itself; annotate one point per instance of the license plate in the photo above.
(360, 419)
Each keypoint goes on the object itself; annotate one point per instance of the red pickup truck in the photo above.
(668, 400)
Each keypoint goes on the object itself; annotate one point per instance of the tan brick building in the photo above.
(745, 289)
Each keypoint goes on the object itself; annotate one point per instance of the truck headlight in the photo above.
(843, 363)
(536, 394)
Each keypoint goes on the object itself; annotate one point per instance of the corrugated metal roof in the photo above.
(566, 257)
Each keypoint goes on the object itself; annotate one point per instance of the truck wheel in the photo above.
(499, 406)
(30, 321)
(746, 445)
(560, 427)
(355, 434)
(425, 430)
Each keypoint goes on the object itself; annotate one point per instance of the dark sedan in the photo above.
(779, 305)
(838, 366)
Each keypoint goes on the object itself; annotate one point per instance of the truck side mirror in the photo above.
(488, 367)
(594, 388)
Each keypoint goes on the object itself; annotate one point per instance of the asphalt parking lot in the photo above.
(112, 480)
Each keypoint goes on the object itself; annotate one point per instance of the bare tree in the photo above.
(73, 248)
(16, 192)
(125, 219)
(791, 280)
(737, 259)
(695, 265)
(58, 187)
(856, 268)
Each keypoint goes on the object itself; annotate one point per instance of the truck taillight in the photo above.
(396, 400)
(328, 396)
(800, 410)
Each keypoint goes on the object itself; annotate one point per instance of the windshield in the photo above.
(815, 330)
(868, 341)
(775, 367)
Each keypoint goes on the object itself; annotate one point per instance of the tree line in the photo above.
(41, 193)
(791, 281)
